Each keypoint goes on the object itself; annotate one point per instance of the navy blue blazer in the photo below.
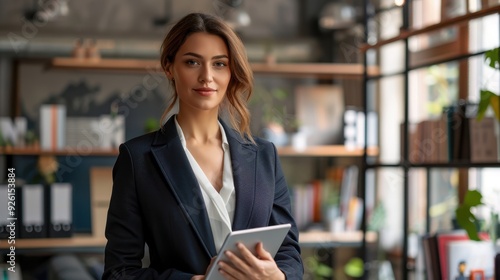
(156, 199)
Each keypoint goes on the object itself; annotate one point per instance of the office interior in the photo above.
(385, 114)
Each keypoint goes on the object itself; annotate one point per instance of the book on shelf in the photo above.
(354, 128)
(5, 213)
(42, 211)
(443, 252)
(302, 205)
(456, 135)
(32, 218)
(431, 257)
(52, 126)
(483, 140)
(316, 202)
(105, 131)
(60, 210)
(427, 141)
(497, 266)
(349, 188)
(332, 202)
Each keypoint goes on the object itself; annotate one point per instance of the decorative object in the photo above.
(320, 109)
(277, 120)
(47, 167)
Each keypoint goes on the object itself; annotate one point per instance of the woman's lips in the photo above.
(205, 91)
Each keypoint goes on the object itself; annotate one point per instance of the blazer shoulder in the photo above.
(265, 147)
(141, 142)
(263, 143)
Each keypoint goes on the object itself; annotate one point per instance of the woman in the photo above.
(182, 189)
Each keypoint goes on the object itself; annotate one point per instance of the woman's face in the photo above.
(201, 72)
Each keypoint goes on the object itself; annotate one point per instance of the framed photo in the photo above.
(477, 275)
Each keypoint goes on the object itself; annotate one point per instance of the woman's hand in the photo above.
(249, 266)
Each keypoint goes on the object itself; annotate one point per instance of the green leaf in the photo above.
(312, 263)
(493, 57)
(324, 271)
(467, 221)
(280, 94)
(484, 102)
(472, 198)
(495, 104)
(354, 267)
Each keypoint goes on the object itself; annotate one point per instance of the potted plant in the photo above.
(487, 97)
(277, 120)
(468, 220)
(473, 198)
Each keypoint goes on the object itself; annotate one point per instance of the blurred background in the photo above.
(371, 104)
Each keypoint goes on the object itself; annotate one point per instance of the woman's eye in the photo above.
(191, 62)
(220, 64)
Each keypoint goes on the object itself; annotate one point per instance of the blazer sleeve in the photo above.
(288, 257)
(124, 228)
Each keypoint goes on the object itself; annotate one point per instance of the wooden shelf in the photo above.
(443, 24)
(133, 65)
(330, 150)
(77, 241)
(316, 238)
(327, 70)
(63, 152)
(339, 239)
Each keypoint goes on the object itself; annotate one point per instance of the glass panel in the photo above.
(417, 219)
(432, 39)
(443, 198)
(432, 89)
(425, 12)
(384, 25)
(388, 97)
(481, 77)
(442, 185)
(485, 180)
(483, 33)
(392, 58)
(386, 219)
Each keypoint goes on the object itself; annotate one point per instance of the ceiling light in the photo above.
(235, 15)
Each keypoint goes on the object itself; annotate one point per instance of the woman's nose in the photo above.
(206, 75)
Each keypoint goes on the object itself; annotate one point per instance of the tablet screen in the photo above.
(271, 237)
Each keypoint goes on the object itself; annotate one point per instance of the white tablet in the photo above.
(271, 237)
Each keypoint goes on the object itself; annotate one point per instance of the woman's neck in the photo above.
(199, 128)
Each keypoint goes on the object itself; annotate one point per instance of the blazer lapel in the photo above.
(244, 162)
(174, 165)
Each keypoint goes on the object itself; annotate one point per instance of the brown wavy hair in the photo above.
(240, 85)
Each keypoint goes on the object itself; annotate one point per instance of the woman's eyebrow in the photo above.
(199, 56)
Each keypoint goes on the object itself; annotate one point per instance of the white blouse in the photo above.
(220, 206)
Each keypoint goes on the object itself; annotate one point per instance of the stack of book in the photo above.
(452, 255)
(332, 202)
(455, 136)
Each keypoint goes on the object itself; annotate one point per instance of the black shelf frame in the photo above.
(424, 65)
(405, 164)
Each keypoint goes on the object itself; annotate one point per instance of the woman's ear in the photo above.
(168, 71)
